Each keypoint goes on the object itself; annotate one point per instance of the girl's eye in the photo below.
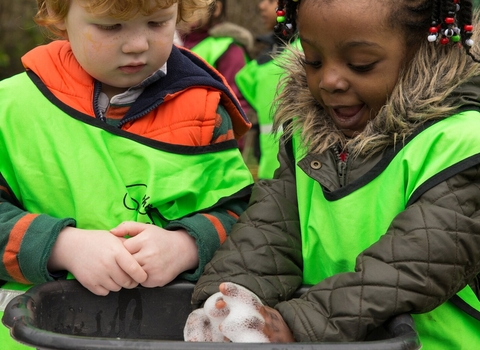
(108, 27)
(363, 68)
(313, 64)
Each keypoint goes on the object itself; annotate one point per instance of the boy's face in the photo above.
(268, 13)
(120, 53)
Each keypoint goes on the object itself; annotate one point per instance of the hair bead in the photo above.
(445, 22)
(451, 21)
(286, 11)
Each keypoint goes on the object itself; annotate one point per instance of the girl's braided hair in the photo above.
(443, 22)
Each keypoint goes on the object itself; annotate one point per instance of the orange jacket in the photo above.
(180, 108)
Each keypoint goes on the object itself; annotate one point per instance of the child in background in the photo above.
(222, 44)
(258, 83)
(114, 131)
(376, 203)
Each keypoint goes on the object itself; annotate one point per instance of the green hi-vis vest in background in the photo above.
(258, 84)
(212, 48)
(66, 164)
(335, 232)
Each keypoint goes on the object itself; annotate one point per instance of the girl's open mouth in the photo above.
(348, 112)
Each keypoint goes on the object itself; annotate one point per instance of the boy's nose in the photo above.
(135, 44)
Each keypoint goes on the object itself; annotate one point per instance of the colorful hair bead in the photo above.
(285, 21)
(444, 22)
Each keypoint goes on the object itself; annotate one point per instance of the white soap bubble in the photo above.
(198, 327)
(238, 321)
(215, 315)
(244, 323)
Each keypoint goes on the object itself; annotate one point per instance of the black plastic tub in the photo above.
(64, 315)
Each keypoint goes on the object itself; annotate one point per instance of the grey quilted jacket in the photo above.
(264, 253)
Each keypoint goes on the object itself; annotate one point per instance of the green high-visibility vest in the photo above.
(66, 164)
(336, 229)
(212, 48)
(73, 165)
(258, 84)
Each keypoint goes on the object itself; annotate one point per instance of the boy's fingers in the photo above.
(130, 228)
(132, 268)
(132, 245)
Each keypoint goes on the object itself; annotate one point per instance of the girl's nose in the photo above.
(331, 80)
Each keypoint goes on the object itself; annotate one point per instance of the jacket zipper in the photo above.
(342, 173)
(96, 94)
(100, 115)
(342, 157)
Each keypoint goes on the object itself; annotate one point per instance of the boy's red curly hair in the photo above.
(51, 12)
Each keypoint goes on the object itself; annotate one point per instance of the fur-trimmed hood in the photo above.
(238, 33)
(439, 80)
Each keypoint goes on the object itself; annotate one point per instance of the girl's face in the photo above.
(120, 53)
(352, 58)
(268, 13)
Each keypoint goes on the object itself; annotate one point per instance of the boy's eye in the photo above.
(108, 27)
(157, 24)
(363, 68)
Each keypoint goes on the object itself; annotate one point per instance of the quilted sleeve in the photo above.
(263, 251)
(429, 253)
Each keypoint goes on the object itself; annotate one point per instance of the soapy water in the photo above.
(233, 316)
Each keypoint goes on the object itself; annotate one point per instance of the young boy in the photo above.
(115, 132)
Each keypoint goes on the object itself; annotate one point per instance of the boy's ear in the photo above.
(60, 24)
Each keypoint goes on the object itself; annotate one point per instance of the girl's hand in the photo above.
(259, 318)
(236, 314)
(162, 254)
(275, 327)
(97, 259)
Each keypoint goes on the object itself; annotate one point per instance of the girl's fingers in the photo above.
(237, 292)
(198, 327)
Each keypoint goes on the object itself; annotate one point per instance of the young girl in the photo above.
(377, 200)
(113, 132)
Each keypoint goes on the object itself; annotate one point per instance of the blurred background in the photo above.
(18, 32)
